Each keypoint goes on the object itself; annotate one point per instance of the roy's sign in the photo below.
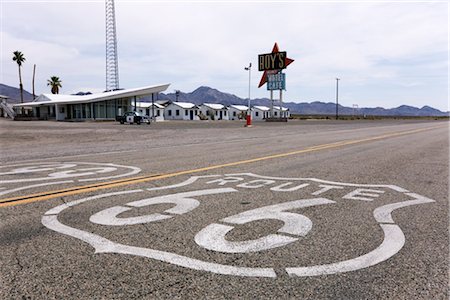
(272, 61)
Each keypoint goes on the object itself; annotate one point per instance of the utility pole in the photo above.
(249, 116)
(34, 75)
(337, 98)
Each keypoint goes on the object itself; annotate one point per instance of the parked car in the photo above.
(133, 117)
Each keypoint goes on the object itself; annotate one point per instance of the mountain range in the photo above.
(205, 94)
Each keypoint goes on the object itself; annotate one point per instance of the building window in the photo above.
(234, 114)
(185, 112)
(276, 114)
(256, 113)
(158, 113)
(177, 112)
(61, 110)
(217, 113)
(207, 112)
(169, 112)
(225, 113)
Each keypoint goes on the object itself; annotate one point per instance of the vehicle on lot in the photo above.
(133, 117)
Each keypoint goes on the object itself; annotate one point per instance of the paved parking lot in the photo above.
(308, 210)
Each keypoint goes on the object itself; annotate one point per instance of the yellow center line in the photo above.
(135, 180)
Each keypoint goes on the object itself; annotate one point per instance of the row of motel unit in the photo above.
(107, 105)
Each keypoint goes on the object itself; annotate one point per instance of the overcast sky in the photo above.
(386, 54)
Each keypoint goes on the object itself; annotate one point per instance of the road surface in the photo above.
(306, 210)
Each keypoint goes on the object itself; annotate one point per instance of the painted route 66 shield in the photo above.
(246, 224)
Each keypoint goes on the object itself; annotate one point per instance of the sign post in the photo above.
(272, 64)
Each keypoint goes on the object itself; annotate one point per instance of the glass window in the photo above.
(234, 114)
(177, 112)
(185, 112)
(169, 112)
(256, 114)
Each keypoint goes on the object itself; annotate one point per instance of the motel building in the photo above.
(214, 111)
(99, 106)
(237, 112)
(260, 113)
(181, 111)
(148, 109)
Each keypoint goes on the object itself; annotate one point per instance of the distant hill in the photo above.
(206, 94)
(209, 95)
(14, 94)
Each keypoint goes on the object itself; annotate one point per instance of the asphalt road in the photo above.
(305, 210)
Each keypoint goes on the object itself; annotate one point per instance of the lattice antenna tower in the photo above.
(112, 68)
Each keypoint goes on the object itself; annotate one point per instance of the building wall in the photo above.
(259, 115)
(175, 112)
(233, 113)
(209, 112)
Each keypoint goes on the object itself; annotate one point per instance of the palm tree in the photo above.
(55, 83)
(19, 59)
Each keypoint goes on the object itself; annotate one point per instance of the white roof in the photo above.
(264, 108)
(278, 108)
(74, 99)
(146, 104)
(184, 105)
(240, 107)
(214, 106)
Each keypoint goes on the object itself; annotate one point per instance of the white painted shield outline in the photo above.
(54, 181)
(393, 241)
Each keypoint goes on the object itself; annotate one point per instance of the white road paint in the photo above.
(383, 214)
(214, 234)
(103, 245)
(255, 184)
(392, 243)
(282, 187)
(82, 172)
(392, 187)
(92, 169)
(326, 188)
(58, 209)
(189, 181)
(212, 237)
(39, 168)
(183, 204)
(363, 194)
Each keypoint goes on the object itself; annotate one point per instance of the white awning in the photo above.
(49, 99)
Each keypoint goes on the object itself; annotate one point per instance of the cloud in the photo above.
(384, 53)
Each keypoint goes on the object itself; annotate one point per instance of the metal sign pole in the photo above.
(271, 103)
(281, 102)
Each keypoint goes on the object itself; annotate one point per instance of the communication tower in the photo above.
(112, 69)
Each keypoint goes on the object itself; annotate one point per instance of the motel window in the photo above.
(257, 114)
(177, 112)
(185, 112)
(234, 114)
(169, 112)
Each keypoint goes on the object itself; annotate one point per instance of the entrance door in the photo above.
(191, 114)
